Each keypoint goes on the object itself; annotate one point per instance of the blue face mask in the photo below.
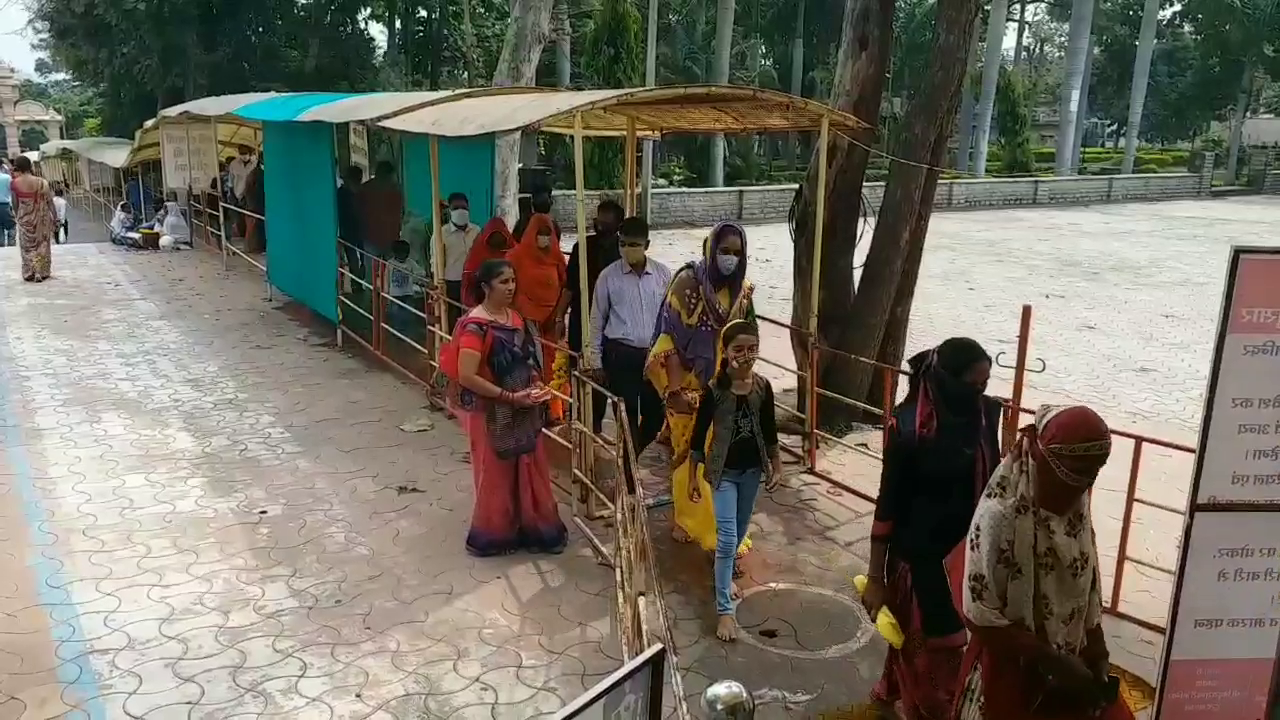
(727, 264)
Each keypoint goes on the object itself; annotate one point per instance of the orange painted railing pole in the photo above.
(889, 382)
(1019, 378)
(1130, 494)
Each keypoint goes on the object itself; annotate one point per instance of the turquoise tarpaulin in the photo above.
(466, 166)
(302, 213)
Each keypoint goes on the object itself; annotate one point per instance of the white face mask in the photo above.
(727, 263)
(460, 216)
(544, 241)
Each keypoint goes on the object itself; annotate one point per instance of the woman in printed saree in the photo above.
(1033, 591)
(501, 397)
(941, 447)
(704, 297)
(37, 220)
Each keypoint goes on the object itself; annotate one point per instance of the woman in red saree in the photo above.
(501, 398)
(940, 449)
(1032, 590)
(540, 276)
(492, 243)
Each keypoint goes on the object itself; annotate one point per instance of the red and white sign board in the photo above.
(1220, 655)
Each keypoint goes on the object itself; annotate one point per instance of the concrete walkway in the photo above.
(207, 513)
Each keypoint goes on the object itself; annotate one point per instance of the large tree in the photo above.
(1073, 83)
(527, 33)
(991, 65)
(1141, 75)
(872, 322)
(612, 57)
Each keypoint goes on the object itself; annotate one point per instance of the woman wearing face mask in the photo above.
(492, 244)
(1033, 591)
(540, 273)
(940, 449)
(735, 445)
(704, 297)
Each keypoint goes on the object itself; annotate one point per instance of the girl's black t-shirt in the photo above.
(744, 451)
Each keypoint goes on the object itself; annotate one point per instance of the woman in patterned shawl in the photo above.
(704, 297)
(1032, 591)
(37, 220)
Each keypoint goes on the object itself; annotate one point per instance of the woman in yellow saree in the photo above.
(704, 296)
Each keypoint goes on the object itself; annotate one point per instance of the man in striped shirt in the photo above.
(624, 310)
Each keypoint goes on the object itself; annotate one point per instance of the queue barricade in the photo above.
(890, 382)
(407, 336)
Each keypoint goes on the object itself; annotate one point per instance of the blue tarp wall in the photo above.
(302, 213)
(466, 165)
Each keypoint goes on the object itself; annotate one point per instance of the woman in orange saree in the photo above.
(492, 243)
(540, 275)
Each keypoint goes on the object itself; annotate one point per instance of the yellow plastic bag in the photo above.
(886, 623)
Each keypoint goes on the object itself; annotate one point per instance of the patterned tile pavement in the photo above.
(207, 514)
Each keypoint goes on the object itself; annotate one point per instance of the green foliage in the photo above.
(1147, 169)
(1156, 160)
(78, 103)
(1044, 155)
(1013, 125)
(613, 57)
(32, 138)
(145, 55)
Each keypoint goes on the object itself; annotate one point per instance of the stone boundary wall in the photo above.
(673, 207)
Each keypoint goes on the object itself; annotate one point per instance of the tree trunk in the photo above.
(797, 76)
(964, 122)
(391, 62)
(438, 32)
(1138, 87)
(858, 86)
(1072, 81)
(469, 46)
(527, 33)
(877, 326)
(990, 78)
(720, 74)
(408, 29)
(1238, 115)
(1082, 112)
(561, 30)
(1022, 33)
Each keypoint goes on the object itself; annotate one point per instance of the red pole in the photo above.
(1129, 496)
(1019, 377)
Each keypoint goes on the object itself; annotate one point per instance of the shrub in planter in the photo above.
(1147, 169)
(1159, 160)
(1044, 155)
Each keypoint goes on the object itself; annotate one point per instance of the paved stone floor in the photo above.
(206, 513)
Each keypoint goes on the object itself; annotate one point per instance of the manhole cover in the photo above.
(802, 621)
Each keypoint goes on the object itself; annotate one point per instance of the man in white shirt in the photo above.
(458, 234)
(624, 311)
(239, 170)
(62, 234)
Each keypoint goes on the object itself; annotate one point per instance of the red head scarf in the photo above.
(540, 273)
(482, 250)
(1074, 442)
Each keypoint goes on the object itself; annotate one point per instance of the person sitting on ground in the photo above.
(174, 224)
(122, 222)
(60, 205)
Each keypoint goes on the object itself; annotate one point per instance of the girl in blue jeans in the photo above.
(735, 436)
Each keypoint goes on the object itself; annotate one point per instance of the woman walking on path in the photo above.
(735, 444)
(703, 298)
(497, 368)
(1032, 590)
(940, 449)
(37, 220)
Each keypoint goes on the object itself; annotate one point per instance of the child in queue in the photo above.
(735, 435)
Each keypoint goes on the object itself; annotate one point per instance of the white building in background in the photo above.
(17, 114)
(1262, 130)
